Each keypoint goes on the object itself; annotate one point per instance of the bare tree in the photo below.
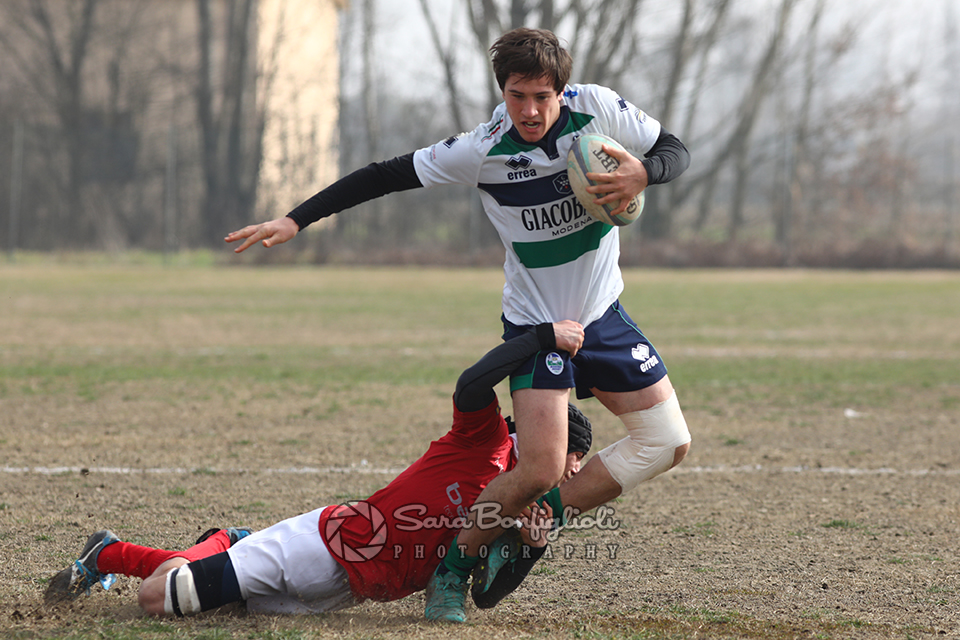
(448, 60)
(599, 30)
(231, 123)
(604, 39)
(736, 147)
(361, 130)
(57, 78)
(371, 120)
(80, 95)
(799, 164)
(951, 108)
(347, 157)
(688, 47)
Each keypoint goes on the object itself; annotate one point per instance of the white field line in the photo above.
(366, 469)
(53, 471)
(841, 471)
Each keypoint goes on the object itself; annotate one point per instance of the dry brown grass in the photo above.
(181, 399)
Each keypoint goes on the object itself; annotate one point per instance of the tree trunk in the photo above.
(67, 61)
(231, 135)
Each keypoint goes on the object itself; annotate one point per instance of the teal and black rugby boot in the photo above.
(446, 596)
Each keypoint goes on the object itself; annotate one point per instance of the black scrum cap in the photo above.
(580, 430)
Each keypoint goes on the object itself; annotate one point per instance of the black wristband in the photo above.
(546, 336)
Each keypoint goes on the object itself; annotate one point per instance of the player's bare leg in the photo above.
(541, 417)
(595, 485)
(658, 422)
(153, 589)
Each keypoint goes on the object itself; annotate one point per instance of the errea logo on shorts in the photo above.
(554, 363)
(641, 352)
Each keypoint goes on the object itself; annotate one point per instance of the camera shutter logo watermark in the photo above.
(370, 518)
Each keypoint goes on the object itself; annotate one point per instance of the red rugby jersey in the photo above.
(391, 542)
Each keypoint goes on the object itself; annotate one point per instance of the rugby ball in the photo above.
(587, 156)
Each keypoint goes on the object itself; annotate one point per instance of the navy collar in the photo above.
(547, 143)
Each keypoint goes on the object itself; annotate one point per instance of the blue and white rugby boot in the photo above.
(80, 576)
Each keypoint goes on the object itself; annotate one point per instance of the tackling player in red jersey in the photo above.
(382, 548)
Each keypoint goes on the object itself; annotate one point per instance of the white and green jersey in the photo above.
(561, 264)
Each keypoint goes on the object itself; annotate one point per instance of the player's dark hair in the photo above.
(531, 53)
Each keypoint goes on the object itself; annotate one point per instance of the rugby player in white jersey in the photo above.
(560, 263)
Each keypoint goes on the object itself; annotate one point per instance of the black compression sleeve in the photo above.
(667, 159)
(475, 385)
(372, 181)
(215, 580)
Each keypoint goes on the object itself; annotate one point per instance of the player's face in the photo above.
(532, 104)
(571, 466)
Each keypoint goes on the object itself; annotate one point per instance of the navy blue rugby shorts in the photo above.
(615, 357)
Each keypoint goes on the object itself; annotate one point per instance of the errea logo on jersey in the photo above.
(521, 168)
(519, 162)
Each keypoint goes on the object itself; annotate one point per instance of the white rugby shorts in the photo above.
(287, 568)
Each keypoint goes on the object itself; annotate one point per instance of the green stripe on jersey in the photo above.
(509, 147)
(577, 121)
(552, 253)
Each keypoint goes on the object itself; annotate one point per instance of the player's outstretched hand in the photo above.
(537, 522)
(270, 233)
(624, 184)
(569, 335)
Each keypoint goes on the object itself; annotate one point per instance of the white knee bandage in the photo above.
(649, 448)
(180, 598)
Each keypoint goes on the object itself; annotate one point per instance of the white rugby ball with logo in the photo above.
(587, 156)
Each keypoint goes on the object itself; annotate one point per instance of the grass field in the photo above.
(821, 498)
